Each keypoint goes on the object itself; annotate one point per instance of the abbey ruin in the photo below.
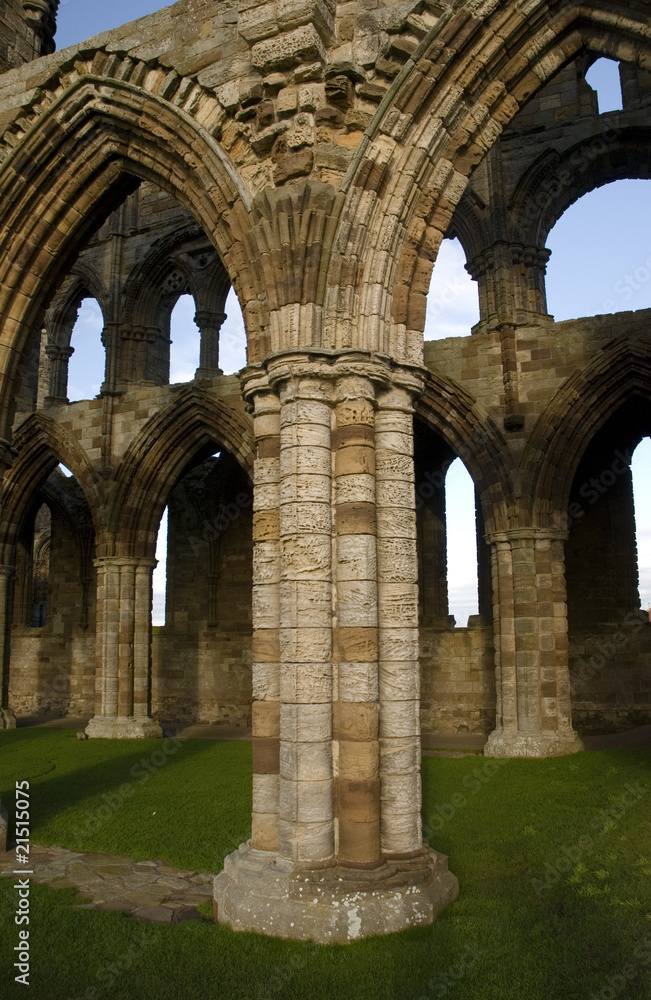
(313, 156)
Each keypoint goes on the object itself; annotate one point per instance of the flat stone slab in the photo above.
(149, 890)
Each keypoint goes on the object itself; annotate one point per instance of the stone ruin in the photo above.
(312, 156)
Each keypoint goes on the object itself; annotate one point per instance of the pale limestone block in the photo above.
(306, 435)
(399, 719)
(400, 755)
(398, 555)
(266, 681)
(307, 557)
(400, 795)
(400, 833)
(399, 681)
(265, 496)
(306, 604)
(397, 604)
(265, 793)
(267, 470)
(306, 412)
(395, 493)
(306, 723)
(356, 557)
(356, 409)
(357, 488)
(306, 683)
(265, 607)
(305, 841)
(398, 644)
(306, 801)
(367, 48)
(395, 522)
(357, 682)
(390, 464)
(304, 489)
(266, 425)
(258, 23)
(308, 645)
(308, 516)
(357, 603)
(306, 761)
(266, 562)
(299, 460)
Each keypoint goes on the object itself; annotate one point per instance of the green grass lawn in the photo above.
(553, 857)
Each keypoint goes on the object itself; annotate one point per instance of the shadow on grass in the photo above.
(100, 795)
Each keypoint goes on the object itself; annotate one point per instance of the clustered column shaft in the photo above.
(356, 708)
(123, 648)
(306, 829)
(531, 640)
(266, 622)
(399, 677)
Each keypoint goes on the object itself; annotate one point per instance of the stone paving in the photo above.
(150, 890)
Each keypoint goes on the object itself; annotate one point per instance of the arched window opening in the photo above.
(65, 470)
(202, 595)
(232, 338)
(452, 300)
(603, 77)
(185, 337)
(159, 582)
(40, 581)
(601, 255)
(87, 363)
(641, 469)
(461, 543)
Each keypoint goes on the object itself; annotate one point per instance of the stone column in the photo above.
(58, 358)
(123, 649)
(7, 717)
(266, 612)
(399, 680)
(344, 749)
(356, 702)
(531, 646)
(209, 324)
(306, 820)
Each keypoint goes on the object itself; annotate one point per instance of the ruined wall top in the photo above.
(27, 30)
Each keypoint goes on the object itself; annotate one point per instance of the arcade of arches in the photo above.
(313, 155)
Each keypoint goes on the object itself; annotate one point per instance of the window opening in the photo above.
(603, 77)
(461, 534)
(601, 253)
(87, 363)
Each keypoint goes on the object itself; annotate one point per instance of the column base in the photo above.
(541, 744)
(260, 892)
(122, 727)
(7, 719)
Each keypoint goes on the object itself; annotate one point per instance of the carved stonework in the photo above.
(41, 17)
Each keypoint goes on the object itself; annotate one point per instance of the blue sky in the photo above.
(600, 263)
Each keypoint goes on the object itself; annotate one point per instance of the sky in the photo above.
(610, 228)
